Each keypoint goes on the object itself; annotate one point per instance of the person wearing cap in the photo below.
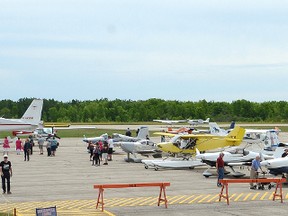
(285, 153)
(6, 173)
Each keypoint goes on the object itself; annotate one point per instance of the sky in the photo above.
(213, 50)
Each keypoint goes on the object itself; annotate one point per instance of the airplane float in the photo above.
(29, 121)
(172, 163)
(186, 144)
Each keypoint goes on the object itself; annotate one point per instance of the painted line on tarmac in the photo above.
(207, 196)
(238, 197)
(213, 198)
(186, 199)
(88, 207)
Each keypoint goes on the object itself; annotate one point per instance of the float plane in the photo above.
(186, 144)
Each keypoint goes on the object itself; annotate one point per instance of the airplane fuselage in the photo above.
(15, 124)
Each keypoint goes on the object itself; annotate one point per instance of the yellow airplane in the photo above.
(187, 143)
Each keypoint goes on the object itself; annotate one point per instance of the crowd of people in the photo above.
(26, 147)
(100, 151)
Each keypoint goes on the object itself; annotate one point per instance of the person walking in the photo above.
(53, 146)
(254, 170)
(19, 146)
(220, 168)
(41, 144)
(105, 153)
(27, 149)
(6, 174)
(6, 146)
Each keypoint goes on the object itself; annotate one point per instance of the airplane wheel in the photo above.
(156, 168)
(269, 186)
(206, 176)
(146, 167)
(191, 168)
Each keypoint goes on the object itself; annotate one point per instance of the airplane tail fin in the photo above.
(232, 125)
(143, 132)
(197, 152)
(279, 150)
(271, 140)
(216, 130)
(207, 120)
(236, 135)
(33, 113)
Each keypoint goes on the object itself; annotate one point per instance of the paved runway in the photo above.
(67, 180)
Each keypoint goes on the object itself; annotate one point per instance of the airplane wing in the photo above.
(164, 134)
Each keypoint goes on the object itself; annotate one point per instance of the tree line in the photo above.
(104, 110)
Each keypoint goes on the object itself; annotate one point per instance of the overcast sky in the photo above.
(217, 50)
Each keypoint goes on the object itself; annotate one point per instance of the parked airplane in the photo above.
(103, 137)
(29, 121)
(143, 134)
(198, 121)
(187, 144)
(278, 165)
(170, 122)
(142, 147)
(232, 157)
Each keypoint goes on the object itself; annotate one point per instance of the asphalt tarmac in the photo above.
(67, 180)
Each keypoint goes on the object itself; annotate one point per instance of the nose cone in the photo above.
(200, 157)
(265, 163)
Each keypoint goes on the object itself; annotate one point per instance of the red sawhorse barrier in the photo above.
(162, 186)
(278, 182)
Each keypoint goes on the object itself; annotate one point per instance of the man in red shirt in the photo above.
(220, 168)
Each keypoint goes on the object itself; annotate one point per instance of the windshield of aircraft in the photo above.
(44, 131)
(238, 151)
(175, 139)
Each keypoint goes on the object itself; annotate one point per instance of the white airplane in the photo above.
(278, 165)
(29, 121)
(232, 157)
(143, 134)
(267, 137)
(198, 121)
(103, 137)
(170, 122)
(142, 147)
(137, 145)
